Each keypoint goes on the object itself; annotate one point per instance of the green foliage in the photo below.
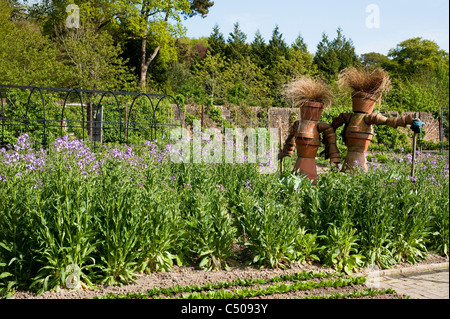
(93, 60)
(210, 230)
(341, 251)
(123, 211)
(416, 55)
(37, 62)
(386, 138)
(334, 56)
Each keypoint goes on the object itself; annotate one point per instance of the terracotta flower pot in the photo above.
(307, 166)
(364, 102)
(311, 111)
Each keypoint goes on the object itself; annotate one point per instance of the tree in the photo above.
(258, 50)
(216, 42)
(237, 48)
(374, 59)
(93, 59)
(414, 56)
(208, 72)
(154, 23)
(26, 56)
(333, 56)
(200, 7)
(244, 83)
(277, 47)
(299, 44)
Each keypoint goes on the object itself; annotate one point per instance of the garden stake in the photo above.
(281, 149)
(417, 128)
(413, 154)
(414, 150)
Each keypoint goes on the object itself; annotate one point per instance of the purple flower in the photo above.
(408, 158)
(2, 178)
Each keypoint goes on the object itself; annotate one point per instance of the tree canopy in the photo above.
(142, 45)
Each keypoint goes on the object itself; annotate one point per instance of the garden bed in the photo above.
(120, 214)
(192, 276)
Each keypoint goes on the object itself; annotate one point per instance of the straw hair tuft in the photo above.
(373, 81)
(305, 89)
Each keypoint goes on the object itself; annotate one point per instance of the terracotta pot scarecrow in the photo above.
(312, 97)
(367, 87)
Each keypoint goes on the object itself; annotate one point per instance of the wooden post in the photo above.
(203, 115)
(281, 149)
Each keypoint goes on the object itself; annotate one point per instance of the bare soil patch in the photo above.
(187, 275)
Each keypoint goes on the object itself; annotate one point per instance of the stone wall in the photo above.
(282, 118)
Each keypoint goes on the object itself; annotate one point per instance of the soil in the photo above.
(187, 275)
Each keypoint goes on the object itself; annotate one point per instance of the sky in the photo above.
(373, 25)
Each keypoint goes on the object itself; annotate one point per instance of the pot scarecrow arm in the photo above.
(289, 144)
(394, 122)
(329, 140)
(343, 118)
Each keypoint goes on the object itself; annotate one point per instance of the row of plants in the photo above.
(177, 289)
(241, 288)
(121, 211)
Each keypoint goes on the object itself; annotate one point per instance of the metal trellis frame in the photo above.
(86, 120)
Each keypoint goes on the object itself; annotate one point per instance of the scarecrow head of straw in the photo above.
(375, 81)
(305, 89)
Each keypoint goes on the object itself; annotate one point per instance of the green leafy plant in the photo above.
(340, 248)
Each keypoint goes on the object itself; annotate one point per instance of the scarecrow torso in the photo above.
(358, 133)
(307, 138)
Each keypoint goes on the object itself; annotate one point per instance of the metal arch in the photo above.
(178, 107)
(80, 92)
(43, 110)
(64, 108)
(152, 126)
(118, 108)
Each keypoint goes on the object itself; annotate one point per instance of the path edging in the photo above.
(406, 270)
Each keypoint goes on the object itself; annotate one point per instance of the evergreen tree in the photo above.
(277, 47)
(258, 50)
(216, 42)
(237, 47)
(299, 44)
(333, 56)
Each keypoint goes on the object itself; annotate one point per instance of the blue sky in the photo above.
(373, 25)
